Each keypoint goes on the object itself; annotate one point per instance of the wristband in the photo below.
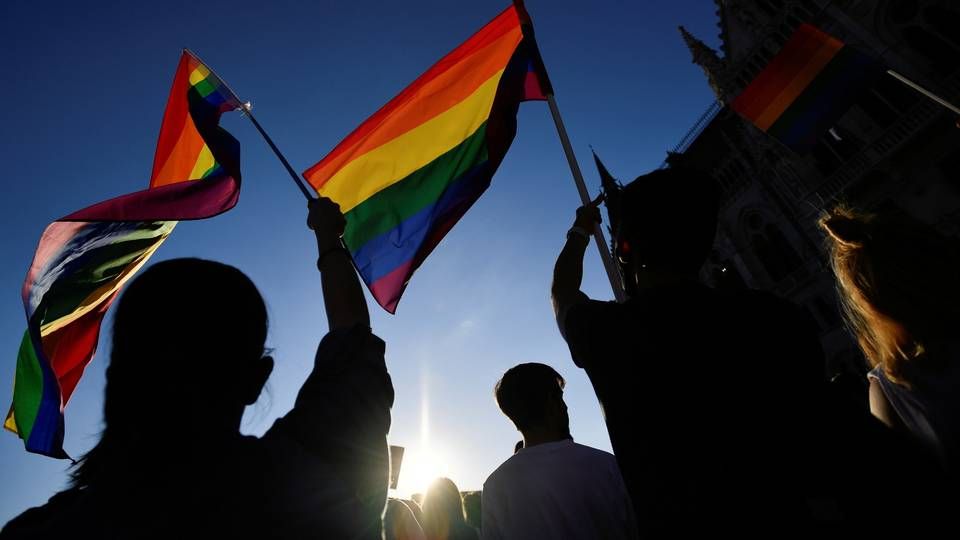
(578, 231)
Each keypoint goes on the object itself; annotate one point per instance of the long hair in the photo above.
(443, 512)
(898, 281)
(182, 333)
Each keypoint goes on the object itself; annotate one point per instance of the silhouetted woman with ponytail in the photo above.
(899, 286)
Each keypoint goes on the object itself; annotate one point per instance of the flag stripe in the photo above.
(83, 261)
(403, 155)
(407, 173)
(432, 99)
(97, 272)
(28, 386)
(456, 201)
(176, 116)
(213, 196)
(794, 55)
(382, 254)
(390, 207)
(798, 84)
(806, 88)
(834, 91)
(506, 22)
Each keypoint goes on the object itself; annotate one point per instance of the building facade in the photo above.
(894, 149)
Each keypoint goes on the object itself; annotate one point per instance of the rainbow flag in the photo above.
(410, 171)
(806, 88)
(84, 259)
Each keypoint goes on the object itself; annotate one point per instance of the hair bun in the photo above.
(846, 227)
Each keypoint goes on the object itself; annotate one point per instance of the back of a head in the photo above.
(897, 282)
(472, 508)
(183, 333)
(400, 523)
(442, 508)
(184, 326)
(524, 392)
(668, 219)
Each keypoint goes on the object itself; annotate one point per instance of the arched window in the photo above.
(771, 248)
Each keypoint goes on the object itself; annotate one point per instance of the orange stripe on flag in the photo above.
(799, 82)
(432, 99)
(791, 59)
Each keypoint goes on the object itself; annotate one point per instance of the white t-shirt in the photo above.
(557, 490)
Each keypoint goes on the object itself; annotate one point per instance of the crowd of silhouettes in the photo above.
(716, 400)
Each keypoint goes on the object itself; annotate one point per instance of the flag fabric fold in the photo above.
(408, 173)
(83, 259)
(806, 87)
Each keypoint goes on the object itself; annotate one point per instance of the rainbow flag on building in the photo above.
(410, 171)
(84, 259)
(806, 87)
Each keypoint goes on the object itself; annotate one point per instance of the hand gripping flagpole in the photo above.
(612, 273)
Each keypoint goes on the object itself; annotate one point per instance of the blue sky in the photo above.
(82, 97)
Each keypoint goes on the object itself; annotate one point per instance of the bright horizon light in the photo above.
(424, 462)
(421, 466)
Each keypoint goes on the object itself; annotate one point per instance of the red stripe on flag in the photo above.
(790, 61)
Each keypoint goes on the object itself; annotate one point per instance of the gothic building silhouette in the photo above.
(894, 149)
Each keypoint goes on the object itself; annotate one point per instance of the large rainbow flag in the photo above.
(806, 87)
(84, 259)
(410, 171)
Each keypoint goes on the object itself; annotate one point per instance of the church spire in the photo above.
(707, 58)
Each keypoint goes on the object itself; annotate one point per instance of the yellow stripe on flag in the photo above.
(393, 161)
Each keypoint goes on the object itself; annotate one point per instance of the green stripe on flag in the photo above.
(27, 387)
(421, 188)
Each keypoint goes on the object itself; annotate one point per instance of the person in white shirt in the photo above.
(552, 487)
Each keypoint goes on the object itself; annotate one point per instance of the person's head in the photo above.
(400, 523)
(667, 222)
(472, 508)
(442, 508)
(531, 395)
(898, 284)
(187, 357)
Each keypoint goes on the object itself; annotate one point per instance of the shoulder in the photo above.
(589, 453)
(41, 521)
(502, 474)
(585, 312)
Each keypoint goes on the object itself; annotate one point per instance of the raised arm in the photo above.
(342, 293)
(568, 271)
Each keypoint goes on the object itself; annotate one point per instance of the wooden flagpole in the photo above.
(613, 274)
(245, 108)
(923, 91)
(296, 178)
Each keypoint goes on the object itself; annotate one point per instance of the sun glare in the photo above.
(420, 467)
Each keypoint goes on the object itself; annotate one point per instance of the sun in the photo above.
(420, 466)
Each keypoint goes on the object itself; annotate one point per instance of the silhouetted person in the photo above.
(472, 508)
(415, 507)
(899, 285)
(400, 523)
(709, 396)
(443, 513)
(188, 356)
(552, 487)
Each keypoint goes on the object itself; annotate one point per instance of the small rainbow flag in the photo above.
(410, 171)
(806, 87)
(84, 259)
